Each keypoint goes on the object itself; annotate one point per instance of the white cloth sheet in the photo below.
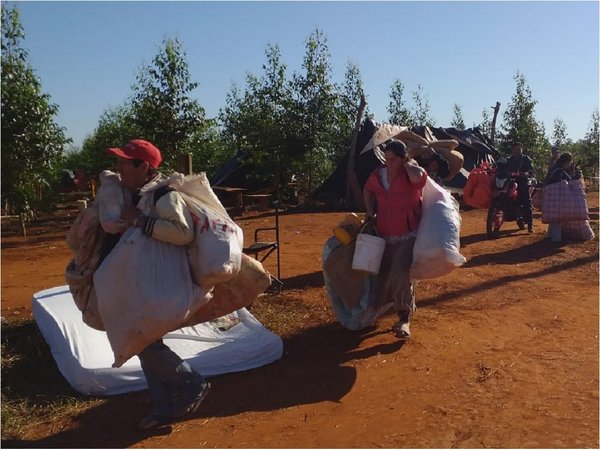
(84, 357)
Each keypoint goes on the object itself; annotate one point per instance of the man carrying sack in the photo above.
(175, 388)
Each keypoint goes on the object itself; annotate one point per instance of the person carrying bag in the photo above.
(144, 286)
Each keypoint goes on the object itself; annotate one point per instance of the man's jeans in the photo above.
(171, 380)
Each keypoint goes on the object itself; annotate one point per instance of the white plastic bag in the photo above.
(215, 255)
(144, 290)
(436, 250)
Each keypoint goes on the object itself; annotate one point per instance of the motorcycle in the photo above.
(505, 206)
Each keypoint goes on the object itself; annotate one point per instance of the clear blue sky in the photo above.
(88, 53)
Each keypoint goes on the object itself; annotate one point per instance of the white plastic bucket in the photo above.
(368, 253)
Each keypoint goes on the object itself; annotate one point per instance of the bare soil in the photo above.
(504, 353)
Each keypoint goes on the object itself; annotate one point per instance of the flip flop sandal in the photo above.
(402, 330)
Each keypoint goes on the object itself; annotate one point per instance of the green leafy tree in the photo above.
(116, 127)
(209, 150)
(457, 120)
(399, 113)
(559, 134)
(254, 121)
(587, 156)
(520, 125)
(350, 94)
(163, 107)
(421, 112)
(32, 142)
(313, 111)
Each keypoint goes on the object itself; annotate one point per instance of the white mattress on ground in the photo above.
(84, 357)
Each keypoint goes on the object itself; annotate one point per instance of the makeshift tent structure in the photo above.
(233, 172)
(334, 187)
(233, 343)
(240, 172)
(472, 145)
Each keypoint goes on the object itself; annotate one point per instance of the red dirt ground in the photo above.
(504, 354)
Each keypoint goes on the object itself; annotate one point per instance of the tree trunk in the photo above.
(354, 196)
(493, 132)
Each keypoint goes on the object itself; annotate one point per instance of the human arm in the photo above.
(370, 202)
(416, 174)
(574, 172)
(173, 222)
(527, 167)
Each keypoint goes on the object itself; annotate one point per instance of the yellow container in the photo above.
(348, 228)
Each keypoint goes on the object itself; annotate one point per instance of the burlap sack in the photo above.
(85, 238)
(347, 283)
(81, 285)
(234, 294)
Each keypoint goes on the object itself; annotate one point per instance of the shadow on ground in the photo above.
(309, 372)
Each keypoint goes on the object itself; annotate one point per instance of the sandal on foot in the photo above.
(402, 330)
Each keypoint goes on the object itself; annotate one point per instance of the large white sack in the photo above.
(197, 186)
(215, 255)
(436, 250)
(144, 290)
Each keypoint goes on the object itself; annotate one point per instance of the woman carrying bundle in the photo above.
(563, 169)
(392, 196)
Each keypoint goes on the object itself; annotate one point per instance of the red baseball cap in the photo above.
(139, 149)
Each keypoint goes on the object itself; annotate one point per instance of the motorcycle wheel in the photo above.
(521, 223)
(495, 218)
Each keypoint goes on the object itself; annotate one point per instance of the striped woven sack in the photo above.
(536, 198)
(564, 201)
(578, 230)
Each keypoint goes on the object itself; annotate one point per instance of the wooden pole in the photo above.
(185, 164)
(354, 195)
(493, 132)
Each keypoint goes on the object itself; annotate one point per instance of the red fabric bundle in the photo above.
(478, 190)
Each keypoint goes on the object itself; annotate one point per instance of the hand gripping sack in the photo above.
(437, 245)
(215, 255)
(144, 290)
(564, 201)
